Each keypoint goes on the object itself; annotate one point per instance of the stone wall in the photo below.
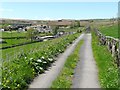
(112, 44)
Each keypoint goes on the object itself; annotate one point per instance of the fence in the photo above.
(112, 45)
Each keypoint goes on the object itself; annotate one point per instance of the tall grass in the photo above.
(108, 71)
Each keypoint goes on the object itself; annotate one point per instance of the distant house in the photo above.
(2, 29)
(41, 28)
(61, 33)
(21, 29)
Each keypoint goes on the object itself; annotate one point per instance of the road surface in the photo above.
(86, 72)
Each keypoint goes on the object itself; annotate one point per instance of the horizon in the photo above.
(54, 19)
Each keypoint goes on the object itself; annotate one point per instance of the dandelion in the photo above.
(4, 85)
(18, 85)
(4, 78)
(14, 81)
(7, 81)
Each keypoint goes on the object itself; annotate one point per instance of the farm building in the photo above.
(41, 28)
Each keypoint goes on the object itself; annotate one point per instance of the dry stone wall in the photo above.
(112, 45)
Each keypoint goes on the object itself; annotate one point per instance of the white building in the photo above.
(41, 28)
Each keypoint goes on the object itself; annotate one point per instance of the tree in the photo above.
(72, 25)
(31, 33)
(75, 24)
(6, 26)
(55, 29)
(78, 24)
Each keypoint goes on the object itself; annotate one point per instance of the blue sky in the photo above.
(58, 10)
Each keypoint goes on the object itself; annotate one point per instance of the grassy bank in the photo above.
(108, 72)
(64, 80)
(20, 71)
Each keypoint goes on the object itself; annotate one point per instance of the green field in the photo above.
(109, 30)
(12, 34)
(8, 34)
(13, 41)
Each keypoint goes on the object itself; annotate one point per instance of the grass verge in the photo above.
(17, 73)
(108, 71)
(64, 80)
